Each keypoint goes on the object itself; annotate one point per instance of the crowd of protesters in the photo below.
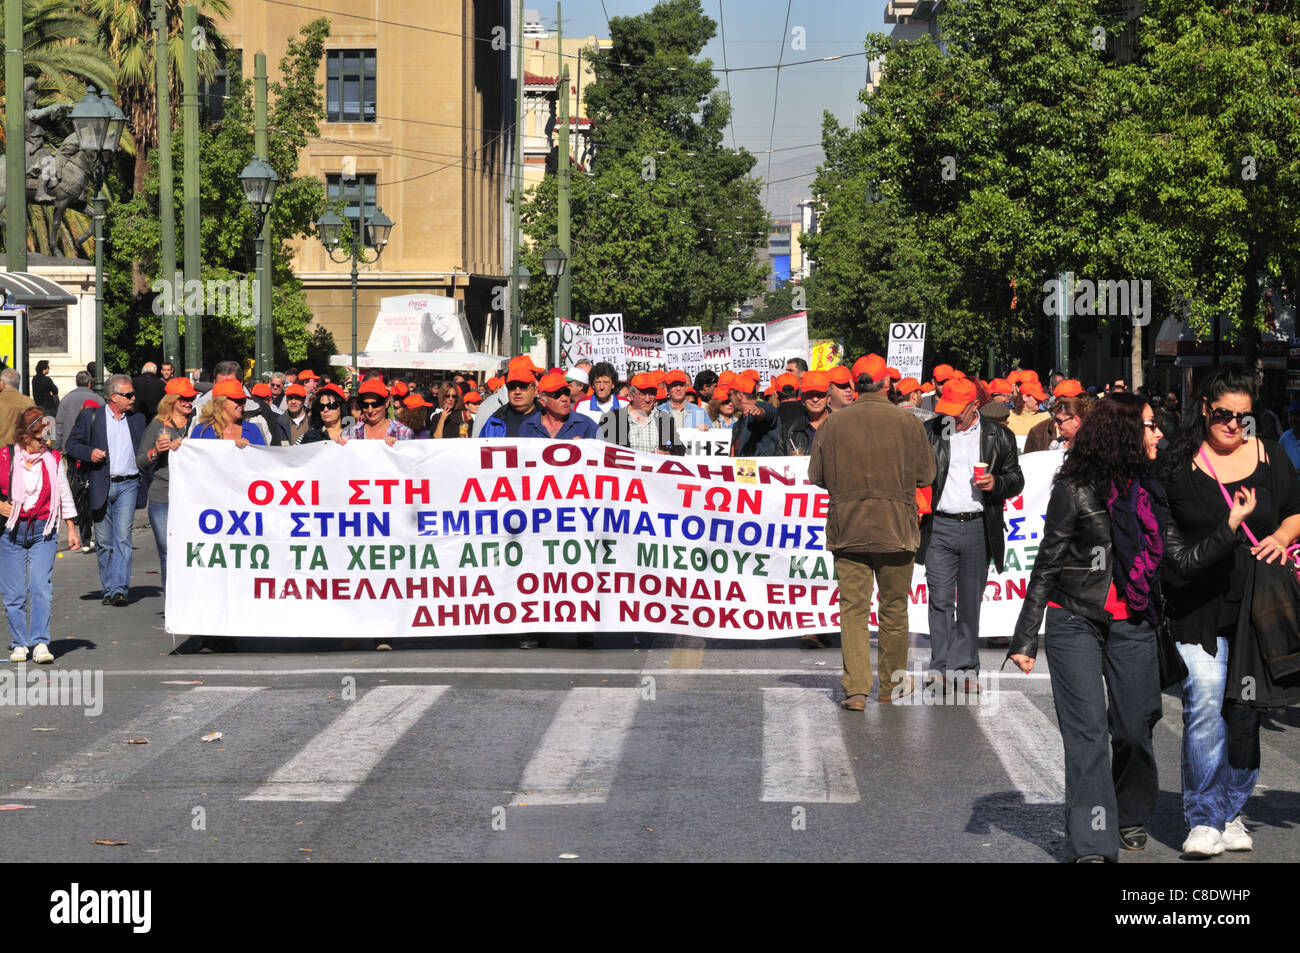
(917, 472)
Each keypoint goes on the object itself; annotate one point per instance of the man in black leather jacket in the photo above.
(965, 528)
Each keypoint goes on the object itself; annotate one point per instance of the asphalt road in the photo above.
(468, 749)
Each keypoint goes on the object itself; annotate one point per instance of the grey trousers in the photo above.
(956, 562)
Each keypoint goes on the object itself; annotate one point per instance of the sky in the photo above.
(756, 32)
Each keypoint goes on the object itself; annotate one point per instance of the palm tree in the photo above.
(125, 31)
(61, 50)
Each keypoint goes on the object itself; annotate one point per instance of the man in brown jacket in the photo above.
(872, 457)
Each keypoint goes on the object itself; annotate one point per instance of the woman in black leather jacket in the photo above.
(1097, 576)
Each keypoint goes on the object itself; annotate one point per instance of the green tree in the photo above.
(666, 222)
(132, 329)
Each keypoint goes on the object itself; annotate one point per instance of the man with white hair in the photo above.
(12, 404)
(279, 400)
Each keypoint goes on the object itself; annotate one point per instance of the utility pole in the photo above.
(265, 324)
(562, 229)
(166, 188)
(190, 115)
(15, 155)
(516, 303)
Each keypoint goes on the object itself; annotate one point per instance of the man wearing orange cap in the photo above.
(638, 425)
(909, 389)
(797, 435)
(521, 404)
(686, 415)
(521, 368)
(556, 422)
(756, 429)
(872, 457)
(842, 392)
(977, 471)
(296, 418)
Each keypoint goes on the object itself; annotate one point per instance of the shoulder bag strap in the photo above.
(1224, 490)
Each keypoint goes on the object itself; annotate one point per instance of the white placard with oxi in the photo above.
(907, 349)
(749, 350)
(684, 348)
(607, 341)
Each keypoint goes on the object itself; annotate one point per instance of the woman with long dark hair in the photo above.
(1097, 576)
(1216, 452)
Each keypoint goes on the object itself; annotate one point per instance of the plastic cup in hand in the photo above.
(979, 470)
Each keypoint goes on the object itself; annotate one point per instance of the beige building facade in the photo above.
(420, 106)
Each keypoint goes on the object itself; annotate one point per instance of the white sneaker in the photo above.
(1235, 836)
(19, 654)
(42, 654)
(1203, 841)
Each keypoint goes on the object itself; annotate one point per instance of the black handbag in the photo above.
(1173, 670)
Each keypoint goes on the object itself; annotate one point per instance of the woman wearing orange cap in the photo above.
(223, 418)
(165, 433)
(1026, 410)
(327, 416)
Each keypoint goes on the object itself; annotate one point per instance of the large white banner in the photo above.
(786, 338)
(444, 537)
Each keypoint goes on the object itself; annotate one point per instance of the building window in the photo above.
(352, 192)
(212, 96)
(350, 86)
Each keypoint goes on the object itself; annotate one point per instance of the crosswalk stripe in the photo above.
(335, 762)
(109, 761)
(577, 757)
(1028, 744)
(804, 757)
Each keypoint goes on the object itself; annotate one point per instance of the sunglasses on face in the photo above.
(372, 404)
(185, 400)
(237, 400)
(814, 395)
(1223, 416)
(126, 395)
(560, 395)
(329, 405)
(1150, 425)
(518, 385)
(1060, 420)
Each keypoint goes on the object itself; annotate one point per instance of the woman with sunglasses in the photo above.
(375, 424)
(327, 412)
(34, 496)
(163, 435)
(223, 417)
(1097, 575)
(1216, 451)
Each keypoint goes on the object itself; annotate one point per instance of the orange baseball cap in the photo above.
(942, 372)
(523, 361)
(1033, 389)
(927, 388)
(521, 374)
(334, 389)
(473, 397)
(956, 395)
(783, 381)
(416, 400)
(907, 385)
(839, 374)
(230, 388)
(745, 384)
(375, 386)
(308, 375)
(1068, 388)
(752, 374)
(400, 389)
(552, 382)
(960, 375)
(263, 390)
(181, 387)
(1000, 385)
(872, 365)
(293, 390)
(1028, 374)
(725, 380)
(894, 373)
(677, 376)
(644, 381)
(815, 382)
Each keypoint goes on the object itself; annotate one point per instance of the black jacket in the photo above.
(755, 435)
(795, 438)
(998, 450)
(1073, 566)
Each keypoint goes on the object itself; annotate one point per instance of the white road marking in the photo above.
(109, 761)
(804, 757)
(335, 762)
(1028, 744)
(262, 671)
(577, 757)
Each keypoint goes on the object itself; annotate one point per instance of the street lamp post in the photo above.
(259, 182)
(555, 261)
(375, 234)
(523, 278)
(98, 123)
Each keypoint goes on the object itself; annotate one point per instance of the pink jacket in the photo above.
(61, 503)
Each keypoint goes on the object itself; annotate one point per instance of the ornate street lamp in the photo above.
(375, 232)
(555, 261)
(99, 124)
(259, 182)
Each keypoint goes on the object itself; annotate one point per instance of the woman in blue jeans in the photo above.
(34, 496)
(1097, 577)
(164, 434)
(1216, 453)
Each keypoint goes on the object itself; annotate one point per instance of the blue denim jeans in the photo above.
(27, 578)
(158, 520)
(1214, 792)
(113, 537)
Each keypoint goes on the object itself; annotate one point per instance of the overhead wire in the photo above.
(776, 98)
